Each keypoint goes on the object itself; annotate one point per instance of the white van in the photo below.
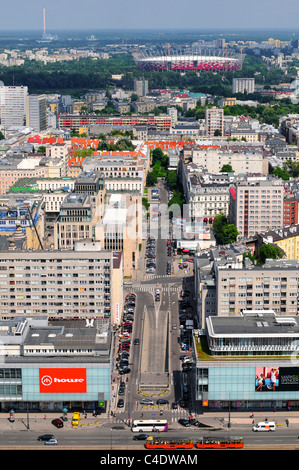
(264, 426)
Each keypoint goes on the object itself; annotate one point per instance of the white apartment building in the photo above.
(214, 120)
(273, 286)
(241, 162)
(240, 85)
(58, 284)
(13, 105)
(257, 206)
(36, 112)
(207, 195)
(121, 172)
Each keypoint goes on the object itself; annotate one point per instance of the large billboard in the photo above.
(62, 380)
(276, 379)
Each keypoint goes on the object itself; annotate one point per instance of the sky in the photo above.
(148, 14)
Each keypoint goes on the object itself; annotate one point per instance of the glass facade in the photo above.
(19, 386)
(219, 385)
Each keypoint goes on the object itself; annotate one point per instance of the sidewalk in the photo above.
(217, 420)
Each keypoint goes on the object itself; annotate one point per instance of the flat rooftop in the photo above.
(264, 323)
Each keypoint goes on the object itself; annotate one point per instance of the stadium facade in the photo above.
(185, 61)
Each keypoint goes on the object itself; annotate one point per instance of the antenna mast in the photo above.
(44, 20)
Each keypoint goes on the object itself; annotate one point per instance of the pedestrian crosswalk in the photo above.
(153, 288)
(172, 416)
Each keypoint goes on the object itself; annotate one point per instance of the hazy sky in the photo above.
(167, 14)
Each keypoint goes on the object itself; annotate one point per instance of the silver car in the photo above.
(147, 401)
(51, 442)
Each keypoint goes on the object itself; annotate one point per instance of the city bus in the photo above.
(152, 425)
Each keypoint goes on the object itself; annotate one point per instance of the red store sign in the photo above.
(62, 380)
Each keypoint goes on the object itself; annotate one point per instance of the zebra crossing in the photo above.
(152, 288)
(172, 416)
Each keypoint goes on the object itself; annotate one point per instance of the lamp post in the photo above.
(229, 423)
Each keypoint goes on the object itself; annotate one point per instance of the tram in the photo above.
(156, 443)
(220, 443)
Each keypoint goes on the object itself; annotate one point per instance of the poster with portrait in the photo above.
(276, 379)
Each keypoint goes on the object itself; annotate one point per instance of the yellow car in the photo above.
(75, 420)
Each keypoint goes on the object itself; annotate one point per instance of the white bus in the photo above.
(152, 425)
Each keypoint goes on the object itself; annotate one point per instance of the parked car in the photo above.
(76, 417)
(120, 403)
(184, 422)
(126, 370)
(58, 423)
(146, 401)
(161, 401)
(194, 422)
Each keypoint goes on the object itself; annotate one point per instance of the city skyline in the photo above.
(144, 15)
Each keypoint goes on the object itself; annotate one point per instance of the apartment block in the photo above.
(76, 121)
(16, 167)
(13, 105)
(213, 160)
(206, 194)
(240, 85)
(75, 221)
(245, 286)
(214, 120)
(74, 284)
(141, 87)
(290, 210)
(120, 229)
(36, 112)
(257, 206)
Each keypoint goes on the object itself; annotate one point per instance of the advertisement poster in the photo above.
(62, 380)
(276, 379)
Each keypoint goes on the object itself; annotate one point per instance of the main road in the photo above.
(111, 437)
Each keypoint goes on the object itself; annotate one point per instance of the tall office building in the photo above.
(141, 87)
(13, 105)
(257, 207)
(214, 121)
(240, 85)
(36, 112)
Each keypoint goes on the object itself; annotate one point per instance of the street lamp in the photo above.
(229, 423)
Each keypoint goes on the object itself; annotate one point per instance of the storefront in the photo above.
(248, 385)
(42, 387)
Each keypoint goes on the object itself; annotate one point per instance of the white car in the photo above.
(147, 401)
(51, 442)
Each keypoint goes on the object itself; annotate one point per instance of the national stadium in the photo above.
(182, 62)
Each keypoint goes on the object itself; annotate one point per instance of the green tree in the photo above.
(226, 169)
(283, 174)
(224, 232)
(172, 179)
(1, 136)
(157, 154)
(151, 179)
(268, 251)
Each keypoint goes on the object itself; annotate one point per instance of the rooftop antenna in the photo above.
(44, 20)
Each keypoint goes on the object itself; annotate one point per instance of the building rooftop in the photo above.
(253, 323)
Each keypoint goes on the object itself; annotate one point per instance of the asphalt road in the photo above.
(114, 438)
(155, 361)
